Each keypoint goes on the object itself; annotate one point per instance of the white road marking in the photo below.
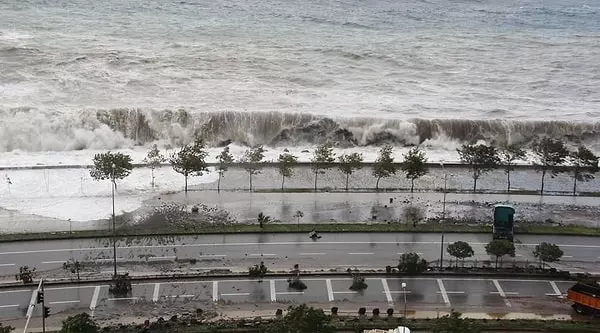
(312, 254)
(161, 258)
(9, 306)
(273, 291)
(54, 262)
(177, 296)
(236, 294)
(345, 292)
(291, 293)
(123, 299)
(557, 291)
(567, 256)
(65, 302)
(15, 291)
(262, 254)
(401, 253)
(6, 265)
(210, 268)
(386, 290)
(329, 290)
(156, 292)
(501, 293)
(360, 253)
(451, 292)
(400, 292)
(215, 291)
(256, 244)
(95, 299)
(212, 255)
(444, 293)
(113, 272)
(73, 287)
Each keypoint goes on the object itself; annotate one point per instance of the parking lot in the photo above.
(420, 293)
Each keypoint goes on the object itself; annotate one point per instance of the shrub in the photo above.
(411, 264)
(25, 274)
(258, 271)
(121, 285)
(358, 282)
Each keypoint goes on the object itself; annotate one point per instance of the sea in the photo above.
(78, 77)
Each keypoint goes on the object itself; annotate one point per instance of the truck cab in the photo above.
(503, 222)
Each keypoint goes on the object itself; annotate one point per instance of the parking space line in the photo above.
(6, 265)
(345, 292)
(9, 306)
(123, 299)
(176, 296)
(444, 293)
(567, 256)
(54, 262)
(236, 294)
(156, 291)
(212, 255)
(401, 253)
(451, 292)
(65, 302)
(360, 253)
(262, 254)
(94, 299)
(386, 290)
(215, 291)
(15, 291)
(501, 293)
(290, 293)
(312, 254)
(400, 292)
(273, 291)
(73, 287)
(329, 290)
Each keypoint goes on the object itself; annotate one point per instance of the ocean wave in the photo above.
(30, 129)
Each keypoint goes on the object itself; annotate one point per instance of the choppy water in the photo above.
(107, 74)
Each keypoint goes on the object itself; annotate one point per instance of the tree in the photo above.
(547, 252)
(508, 154)
(258, 271)
(358, 282)
(74, 266)
(6, 329)
(154, 159)
(460, 250)
(414, 165)
(121, 285)
(251, 160)
(500, 248)
(350, 163)
(262, 219)
(411, 264)
(80, 323)
(286, 165)
(384, 164)
(301, 319)
(190, 160)
(225, 159)
(550, 154)
(585, 165)
(322, 158)
(299, 214)
(25, 274)
(480, 158)
(111, 166)
(452, 323)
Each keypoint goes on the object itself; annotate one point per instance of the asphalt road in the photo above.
(279, 251)
(422, 294)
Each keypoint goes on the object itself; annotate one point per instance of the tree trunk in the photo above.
(496, 262)
(377, 184)
(474, 184)
(152, 177)
(412, 185)
(185, 183)
(282, 182)
(316, 174)
(347, 176)
(250, 181)
(219, 183)
(508, 181)
(543, 176)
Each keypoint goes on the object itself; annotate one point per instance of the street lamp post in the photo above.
(113, 222)
(404, 292)
(443, 217)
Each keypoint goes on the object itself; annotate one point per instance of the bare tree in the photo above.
(154, 159)
(508, 154)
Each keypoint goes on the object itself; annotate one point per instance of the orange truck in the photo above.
(585, 298)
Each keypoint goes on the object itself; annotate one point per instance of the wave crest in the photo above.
(30, 129)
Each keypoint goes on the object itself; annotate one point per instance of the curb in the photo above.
(199, 276)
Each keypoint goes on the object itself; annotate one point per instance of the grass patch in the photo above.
(304, 228)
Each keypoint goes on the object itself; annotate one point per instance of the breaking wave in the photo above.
(29, 129)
